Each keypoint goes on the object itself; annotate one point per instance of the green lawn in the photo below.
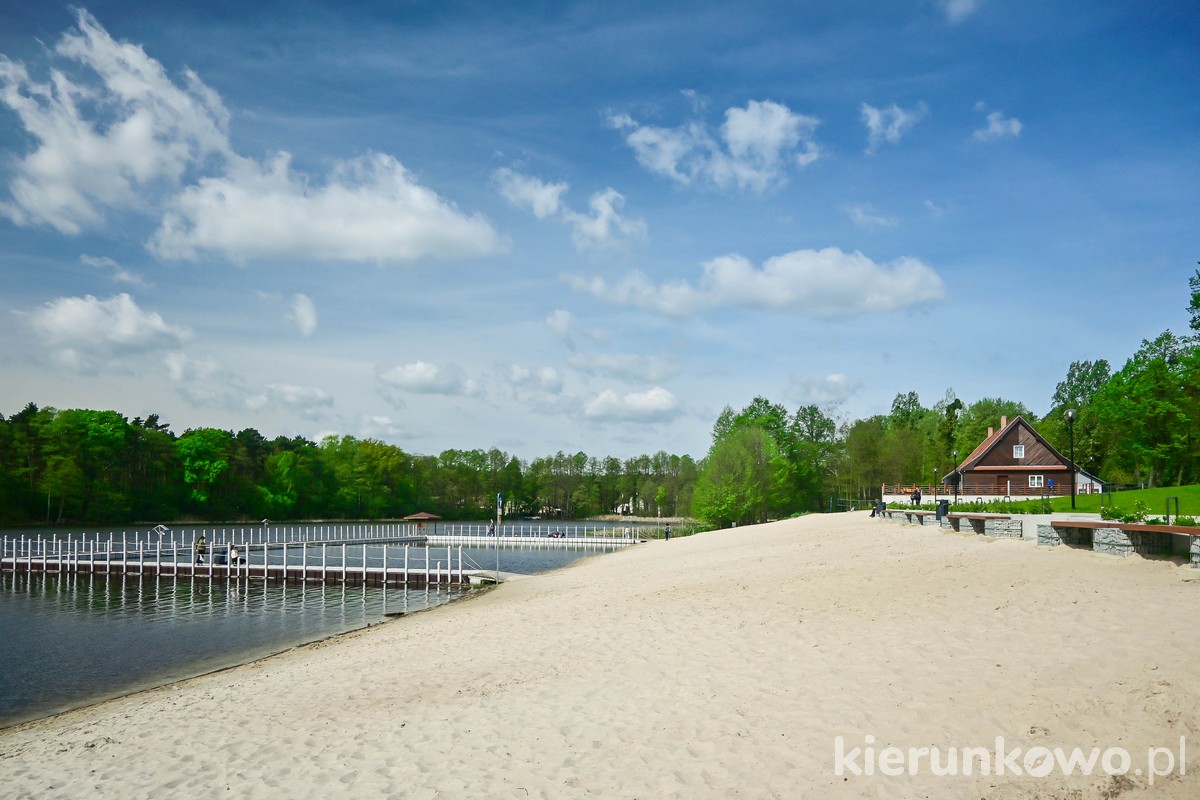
(1155, 500)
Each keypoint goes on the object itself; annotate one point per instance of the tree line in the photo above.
(81, 465)
(1136, 426)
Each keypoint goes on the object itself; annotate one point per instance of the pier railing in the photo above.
(382, 554)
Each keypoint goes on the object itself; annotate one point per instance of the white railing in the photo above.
(317, 552)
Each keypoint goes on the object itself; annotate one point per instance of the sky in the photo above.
(584, 226)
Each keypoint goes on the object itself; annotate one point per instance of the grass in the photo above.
(1154, 499)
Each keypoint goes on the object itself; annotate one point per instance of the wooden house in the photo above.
(1015, 461)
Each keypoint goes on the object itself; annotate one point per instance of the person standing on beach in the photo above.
(667, 531)
(201, 549)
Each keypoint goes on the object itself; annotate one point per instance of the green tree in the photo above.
(735, 483)
(204, 456)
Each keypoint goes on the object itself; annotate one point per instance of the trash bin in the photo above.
(943, 508)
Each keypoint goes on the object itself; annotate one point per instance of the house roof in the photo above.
(971, 462)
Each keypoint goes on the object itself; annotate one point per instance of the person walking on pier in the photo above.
(201, 549)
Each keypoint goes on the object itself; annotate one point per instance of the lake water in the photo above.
(68, 640)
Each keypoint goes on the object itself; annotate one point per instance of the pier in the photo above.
(372, 554)
(378, 555)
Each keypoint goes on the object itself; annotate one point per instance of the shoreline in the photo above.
(708, 666)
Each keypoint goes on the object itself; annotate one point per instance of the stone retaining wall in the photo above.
(1007, 528)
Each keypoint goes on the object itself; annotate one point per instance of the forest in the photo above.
(1136, 426)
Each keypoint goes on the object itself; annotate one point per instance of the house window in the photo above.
(1019, 452)
(1036, 481)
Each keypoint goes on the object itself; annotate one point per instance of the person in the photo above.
(1050, 484)
(491, 528)
(234, 557)
(201, 549)
(667, 531)
(916, 496)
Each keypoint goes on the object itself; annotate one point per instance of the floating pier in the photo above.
(382, 559)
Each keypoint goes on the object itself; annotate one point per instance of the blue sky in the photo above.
(584, 226)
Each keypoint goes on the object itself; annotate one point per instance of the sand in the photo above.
(720, 665)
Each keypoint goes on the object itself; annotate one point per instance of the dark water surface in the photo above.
(68, 640)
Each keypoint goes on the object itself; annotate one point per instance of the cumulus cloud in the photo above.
(119, 273)
(566, 327)
(304, 314)
(542, 379)
(420, 377)
(888, 124)
(655, 405)
(958, 10)
(307, 401)
(86, 333)
(998, 126)
(829, 390)
(533, 194)
(111, 130)
(625, 366)
(753, 149)
(864, 216)
(825, 284)
(105, 145)
(369, 210)
(601, 227)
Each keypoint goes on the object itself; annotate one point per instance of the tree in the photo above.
(204, 456)
(736, 481)
(1144, 407)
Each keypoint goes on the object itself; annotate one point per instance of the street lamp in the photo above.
(1070, 414)
(957, 477)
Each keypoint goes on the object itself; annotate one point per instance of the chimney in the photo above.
(991, 431)
(1003, 423)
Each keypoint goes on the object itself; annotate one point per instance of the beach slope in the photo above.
(788, 660)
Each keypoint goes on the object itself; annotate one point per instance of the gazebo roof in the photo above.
(422, 515)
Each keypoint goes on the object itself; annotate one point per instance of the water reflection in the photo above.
(69, 639)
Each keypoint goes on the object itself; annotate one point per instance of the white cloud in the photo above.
(864, 216)
(888, 124)
(757, 144)
(825, 284)
(958, 10)
(998, 127)
(119, 273)
(376, 425)
(307, 401)
(534, 194)
(86, 333)
(625, 366)
(113, 131)
(601, 227)
(543, 379)
(369, 210)
(655, 405)
(421, 377)
(604, 227)
(304, 314)
(830, 390)
(564, 326)
(104, 145)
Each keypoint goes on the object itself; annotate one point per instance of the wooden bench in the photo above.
(987, 524)
(916, 516)
(1120, 538)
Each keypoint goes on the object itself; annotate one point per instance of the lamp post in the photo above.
(957, 477)
(1070, 414)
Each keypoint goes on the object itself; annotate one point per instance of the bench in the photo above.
(1120, 538)
(916, 516)
(1000, 525)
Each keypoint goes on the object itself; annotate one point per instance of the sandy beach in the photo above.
(721, 665)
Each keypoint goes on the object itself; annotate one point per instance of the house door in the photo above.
(1002, 485)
